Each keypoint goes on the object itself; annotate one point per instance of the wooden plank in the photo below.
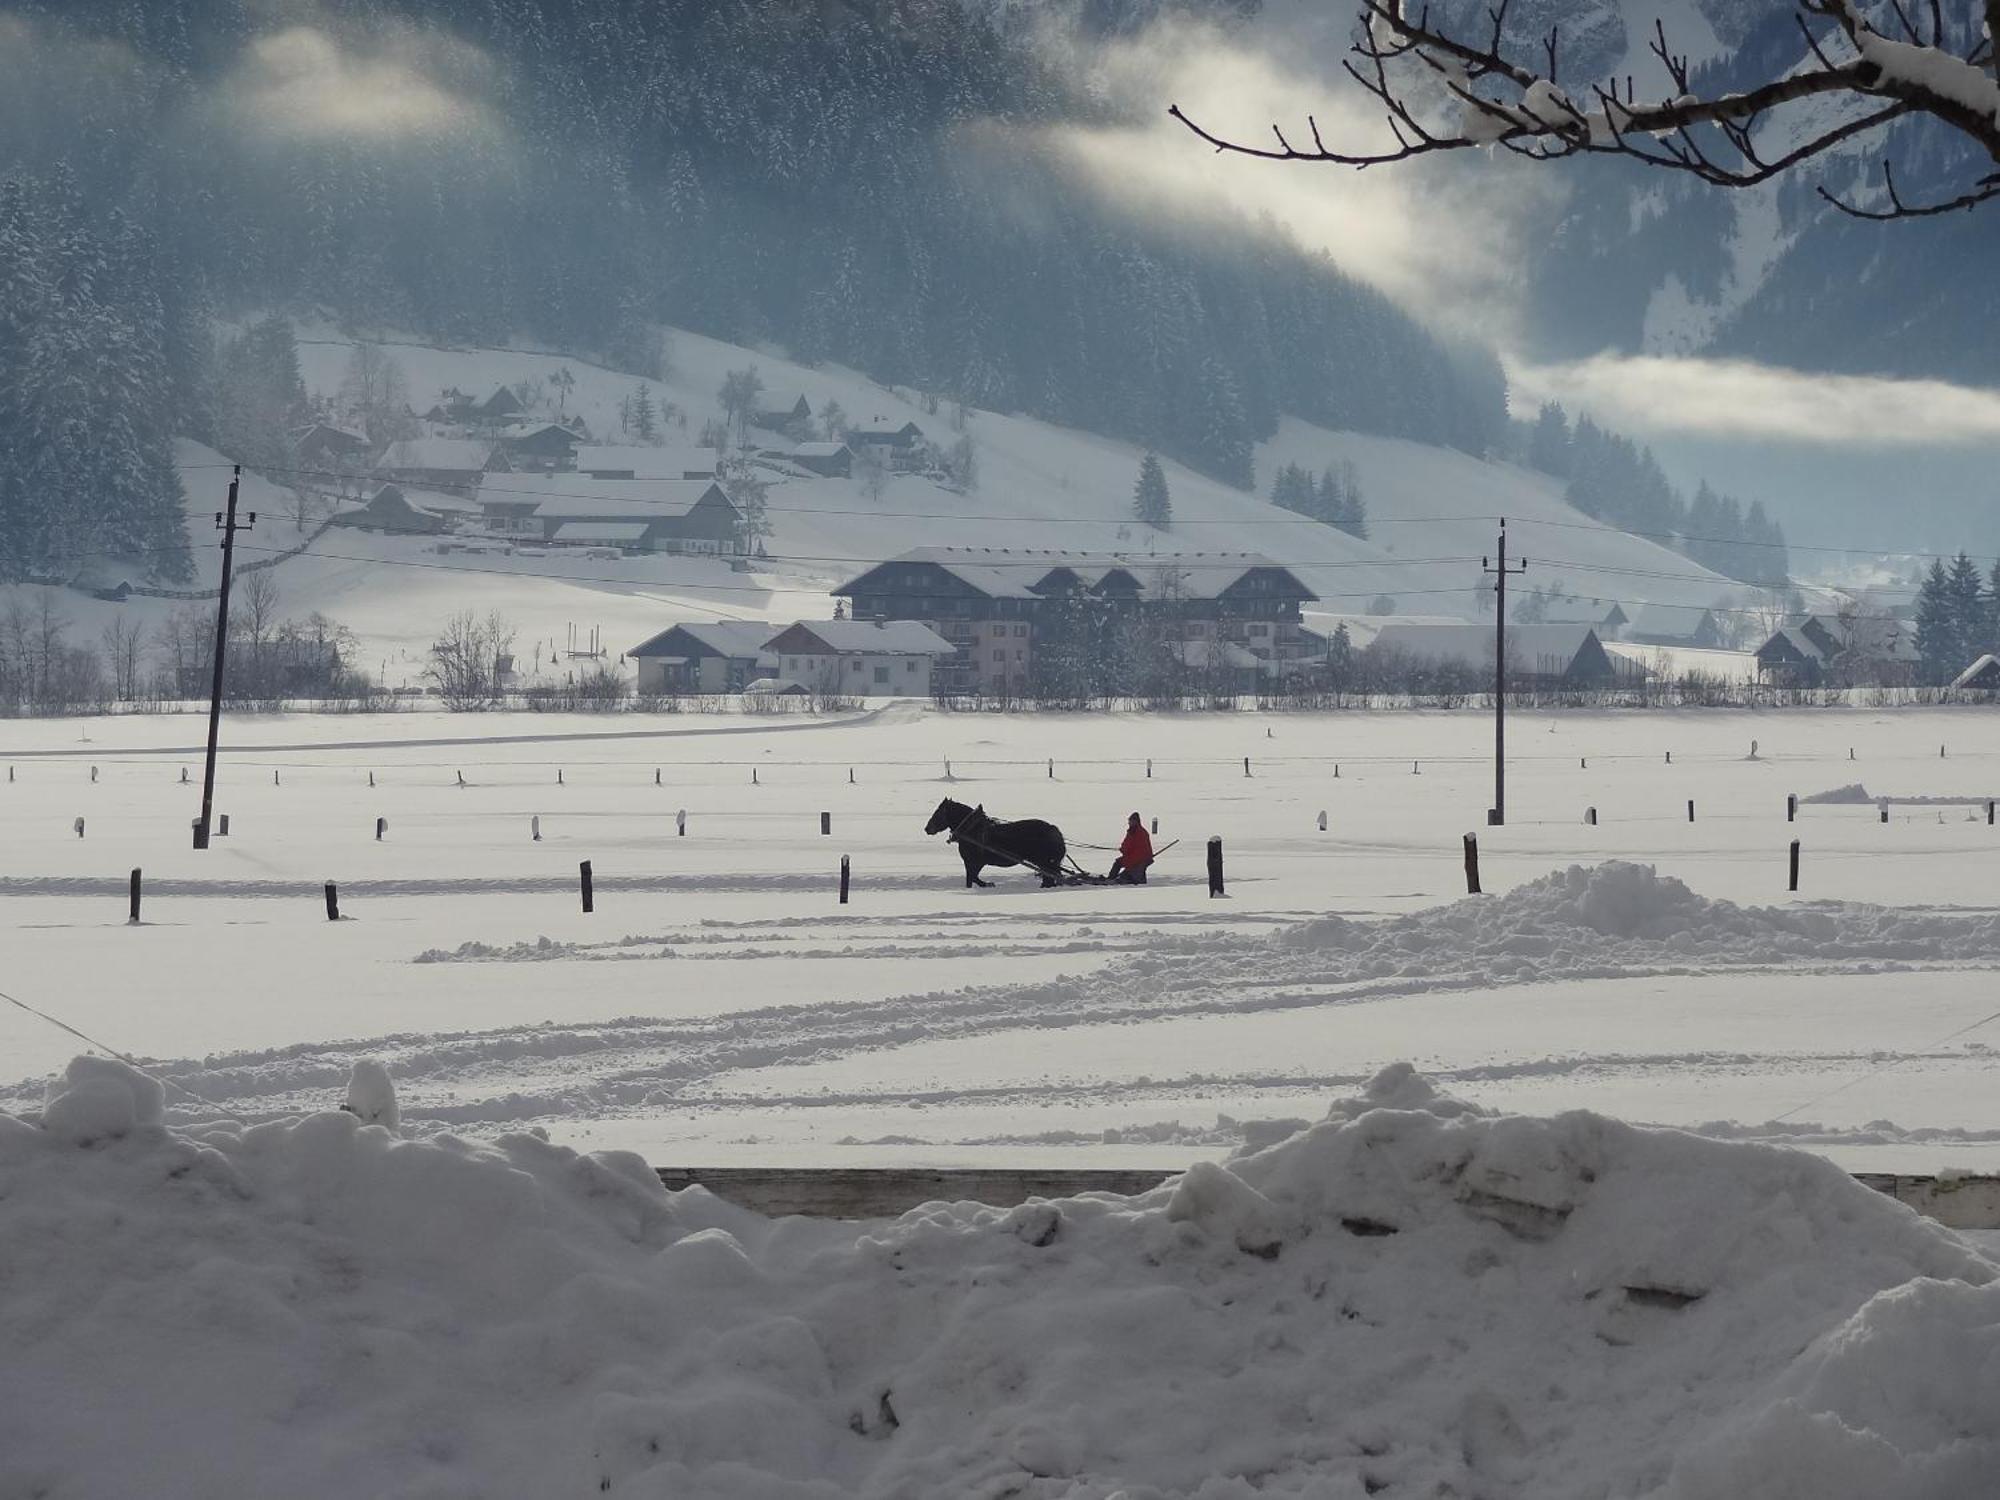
(885, 1192)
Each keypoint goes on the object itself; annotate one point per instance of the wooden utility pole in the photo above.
(1497, 813)
(228, 525)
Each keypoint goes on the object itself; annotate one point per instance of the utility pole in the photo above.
(227, 524)
(1497, 813)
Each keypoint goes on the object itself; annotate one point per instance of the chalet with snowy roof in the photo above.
(1543, 657)
(1672, 625)
(781, 411)
(324, 445)
(992, 602)
(862, 658)
(432, 463)
(691, 516)
(502, 406)
(884, 438)
(1791, 658)
(723, 657)
(616, 461)
(829, 460)
(1607, 618)
(391, 510)
(538, 446)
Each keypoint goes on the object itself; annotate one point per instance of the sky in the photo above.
(1448, 243)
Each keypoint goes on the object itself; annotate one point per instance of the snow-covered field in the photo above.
(719, 1006)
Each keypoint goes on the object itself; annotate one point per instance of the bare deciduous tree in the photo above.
(465, 665)
(124, 654)
(1446, 91)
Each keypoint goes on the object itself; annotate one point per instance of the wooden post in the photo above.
(535, 828)
(371, 778)
(222, 830)
(583, 872)
(1795, 864)
(825, 823)
(332, 902)
(1215, 887)
(1336, 770)
(753, 776)
(1246, 765)
(1052, 768)
(274, 777)
(93, 776)
(1413, 769)
(1690, 809)
(1791, 807)
(133, 919)
(1156, 825)
(1322, 820)
(1989, 812)
(461, 778)
(1884, 808)
(681, 823)
(844, 872)
(656, 776)
(1583, 763)
(850, 776)
(1471, 865)
(1149, 768)
(79, 827)
(559, 776)
(184, 774)
(1670, 757)
(1590, 816)
(381, 827)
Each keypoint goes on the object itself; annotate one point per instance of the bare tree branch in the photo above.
(1502, 102)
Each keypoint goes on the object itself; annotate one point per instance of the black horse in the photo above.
(984, 841)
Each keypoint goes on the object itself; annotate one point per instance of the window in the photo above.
(1021, 631)
(1000, 654)
(855, 665)
(882, 674)
(1019, 654)
(910, 665)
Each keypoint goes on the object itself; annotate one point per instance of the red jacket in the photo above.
(1137, 850)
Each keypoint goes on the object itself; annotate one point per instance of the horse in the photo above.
(984, 841)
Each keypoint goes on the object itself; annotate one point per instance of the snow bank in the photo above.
(1409, 1297)
(1617, 918)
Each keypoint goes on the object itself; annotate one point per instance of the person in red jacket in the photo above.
(1134, 854)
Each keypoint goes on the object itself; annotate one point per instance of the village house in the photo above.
(830, 460)
(782, 411)
(324, 446)
(502, 406)
(990, 604)
(433, 463)
(723, 657)
(390, 509)
(1673, 625)
(691, 516)
(859, 658)
(885, 442)
(538, 447)
(1607, 618)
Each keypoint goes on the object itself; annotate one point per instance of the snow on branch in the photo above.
(1494, 96)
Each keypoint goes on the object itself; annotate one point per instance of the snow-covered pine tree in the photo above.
(1939, 648)
(1151, 502)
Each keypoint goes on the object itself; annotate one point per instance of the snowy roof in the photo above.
(736, 638)
(1988, 666)
(873, 637)
(1669, 621)
(644, 462)
(1472, 642)
(819, 450)
(1792, 636)
(435, 453)
(584, 496)
(1579, 611)
(1201, 655)
(1012, 572)
(521, 432)
(601, 531)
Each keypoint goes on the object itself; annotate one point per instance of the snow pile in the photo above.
(1617, 918)
(1411, 1297)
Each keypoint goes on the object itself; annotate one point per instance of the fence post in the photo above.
(681, 823)
(850, 776)
(656, 776)
(1989, 812)
(1690, 809)
(1791, 807)
(274, 777)
(1884, 809)
(1795, 864)
(1322, 820)
(753, 776)
(381, 827)
(583, 872)
(1149, 768)
(1052, 768)
(78, 825)
(332, 902)
(535, 828)
(1583, 763)
(844, 870)
(1215, 887)
(1336, 770)
(222, 826)
(559, 776)
(1156, 825)
(1670, 757)
(184, 774)
(133, 919)
(1590, 816)
(461, 778)
(825, 823)
(1246, 765)
(1471, 865)
(93, 776)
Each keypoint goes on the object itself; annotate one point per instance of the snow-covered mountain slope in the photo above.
(1432, 512)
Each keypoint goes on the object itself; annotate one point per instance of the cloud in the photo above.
(1442, 241)
(301, 81)
(1723, 398)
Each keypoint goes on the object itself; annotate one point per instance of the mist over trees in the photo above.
(875, 185)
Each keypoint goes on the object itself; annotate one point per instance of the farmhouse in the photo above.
(833, 460)
(502, 406)
(781, 410)
(392, 510)
(884, 439)
(1791, 658)
(723, 657)
(440, 463)
(539, 446)
(1672, 625)
(873, 659)
(679, 515)
(324, 446)
(993, 604)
